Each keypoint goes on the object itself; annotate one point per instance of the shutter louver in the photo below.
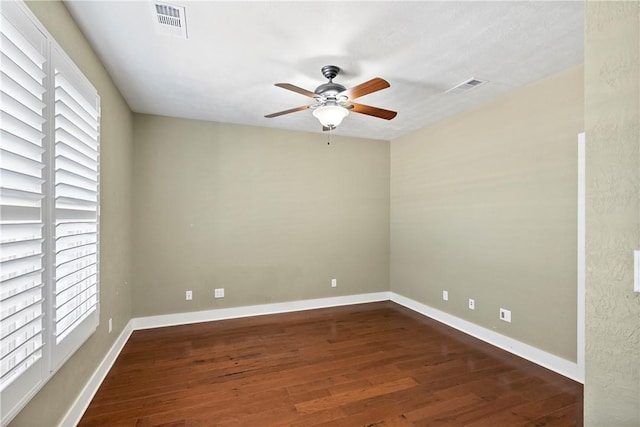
(21, 211)
(76, 205)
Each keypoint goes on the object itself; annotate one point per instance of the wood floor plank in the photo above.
(359, 393)
(444, 410)
(563, 417)
(370, 365)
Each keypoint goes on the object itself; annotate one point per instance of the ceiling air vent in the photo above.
(466, 85)
(170, 20)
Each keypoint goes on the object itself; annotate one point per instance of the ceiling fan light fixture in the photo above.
(330, 115)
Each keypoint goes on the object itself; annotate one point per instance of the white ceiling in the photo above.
(237, 50)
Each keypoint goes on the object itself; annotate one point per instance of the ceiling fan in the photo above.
(333, 101)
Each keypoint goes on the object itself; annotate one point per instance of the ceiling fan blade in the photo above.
(296, 89)
(373, 111)
(366, 88)
(292, 110)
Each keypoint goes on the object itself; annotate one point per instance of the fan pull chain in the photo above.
(329, 136)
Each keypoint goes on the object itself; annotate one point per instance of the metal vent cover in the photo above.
(466, 85)
(170, 19)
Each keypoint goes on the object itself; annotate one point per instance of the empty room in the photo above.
(301, 213)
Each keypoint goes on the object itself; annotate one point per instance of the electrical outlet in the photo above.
(110, 325)
(334, 283)
(505, 315)
(188, 295)
(218, 293)
(472, 304)
(445, 295)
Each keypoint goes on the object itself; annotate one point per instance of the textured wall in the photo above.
(52, 402)
(612, 78)
(269, 215)
(484, 205)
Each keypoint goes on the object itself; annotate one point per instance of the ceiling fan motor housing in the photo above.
(329, 89)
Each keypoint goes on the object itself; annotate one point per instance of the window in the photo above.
(49, 207)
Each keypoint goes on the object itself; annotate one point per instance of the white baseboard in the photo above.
(73, 416)
(254, 310)
(535, 355)
(550, 361)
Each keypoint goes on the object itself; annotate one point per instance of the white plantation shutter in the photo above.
(49, 207)
(22, 120)
(76, 167)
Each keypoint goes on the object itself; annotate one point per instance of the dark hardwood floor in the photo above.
(362, 365)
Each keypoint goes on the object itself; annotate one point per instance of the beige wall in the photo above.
(269, 215)
(484, 205)
(612, 115)
(52, 402)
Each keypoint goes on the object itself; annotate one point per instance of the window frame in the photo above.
(19, 390)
